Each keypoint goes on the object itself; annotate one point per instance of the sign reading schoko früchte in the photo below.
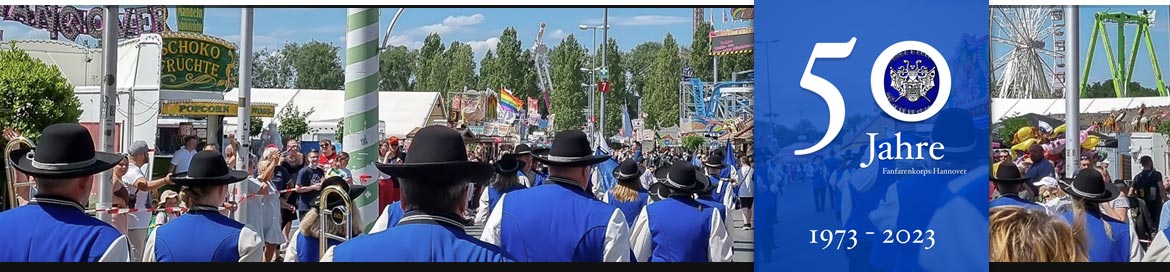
(70, 22)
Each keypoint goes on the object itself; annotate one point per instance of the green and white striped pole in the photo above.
(361, 105)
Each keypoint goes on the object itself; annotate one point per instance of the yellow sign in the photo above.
(209, 108)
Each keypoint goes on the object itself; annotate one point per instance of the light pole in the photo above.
(593, 76)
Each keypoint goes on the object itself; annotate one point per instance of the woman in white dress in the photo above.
(259, 206)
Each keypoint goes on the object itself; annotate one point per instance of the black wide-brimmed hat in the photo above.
(208, 168)
(540, 151)
(685, 177)
(1090, 186)
(715, 160)
(508, 164)
(65, 150)
(438, 155)
(522, 149)
(353, 191)
(571, 148)
(662, 172)
(628, 169)
(658, 191)
(1009, 173)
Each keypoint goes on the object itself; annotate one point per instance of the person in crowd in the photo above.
(1103, 167)
(168, 209)
(204, 234)
(658, 190)
(1147, 185)
(339, 169)
(820, 185)
(307, 179)
(1053, 199)
(138, 223)
(1109, 239)
(560, 221)
(647, 177)
(230, 155)
(1118, 208)
(506, 181)
(628, 194)
(435, 179)
(747, 191)
(182, 158)
(262, 203)
(384, 154)
(285, 178)
(1010, 182)
(1037, 167)
(306, 243)
(724, 192)
(328, 153)
(531, 178)
(678, 228)
(1020, 234)
(707, 196)
(63, 164)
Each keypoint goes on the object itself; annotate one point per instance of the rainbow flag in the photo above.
(509, 102)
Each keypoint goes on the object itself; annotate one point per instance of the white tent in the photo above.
(400, 112)
(1002, 107)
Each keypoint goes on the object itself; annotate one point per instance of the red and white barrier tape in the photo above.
(116, 211)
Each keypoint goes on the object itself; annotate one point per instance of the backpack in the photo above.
(1144, 225)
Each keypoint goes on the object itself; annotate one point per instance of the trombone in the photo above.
(338, 216)
(10, 193)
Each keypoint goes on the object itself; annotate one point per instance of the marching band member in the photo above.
(707, 195)
(505, 182)
(683, 229)
(723, 184)
(523, 153)
(305, 247)
(658, 191)
(628, 194)
(435, 179)
(389, 217)
(204, 234)
(561, 221)
(63, 164)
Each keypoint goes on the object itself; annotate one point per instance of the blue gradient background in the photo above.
(790, 118)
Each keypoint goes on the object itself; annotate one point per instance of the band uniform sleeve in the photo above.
(290, 253)
(481, 212)
(250, 246)
(886, 215)
(328, 258)
(491, 228)
(148, 250)
(1159, 250)
(524, 180)
(383, 221)
(617, 239)
(118, 252)
(595, 180)
(719, 244)
(640, 237)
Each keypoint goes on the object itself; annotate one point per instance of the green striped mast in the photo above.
(361, 105)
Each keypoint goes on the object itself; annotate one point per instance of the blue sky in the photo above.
(1143, 73)
(480, 27)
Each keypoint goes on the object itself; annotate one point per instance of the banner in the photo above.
(533, 111)
(190, 18)
(70, 22)
(197, 62)
(194, 108)
(734, 41)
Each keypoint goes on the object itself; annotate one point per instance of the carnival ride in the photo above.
(542, 64)
(1120, 68)
(709, 105)
(1034, 65)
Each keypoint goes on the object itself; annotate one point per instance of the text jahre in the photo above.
(913, 151)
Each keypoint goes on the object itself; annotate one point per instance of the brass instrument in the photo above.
(339, 216)
(10, 193)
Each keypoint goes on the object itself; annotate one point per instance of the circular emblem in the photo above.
(910, 81)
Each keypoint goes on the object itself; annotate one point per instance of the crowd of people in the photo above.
(1041, 214)
(536, 204)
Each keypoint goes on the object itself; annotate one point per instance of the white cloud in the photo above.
(557, 34)
(412, 38)
(272, 40)
(640, 20)
(481, 47)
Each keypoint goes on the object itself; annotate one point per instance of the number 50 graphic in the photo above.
(832, 95)
(826, 90)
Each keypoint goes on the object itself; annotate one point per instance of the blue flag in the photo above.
(729, 160)
(604, 170)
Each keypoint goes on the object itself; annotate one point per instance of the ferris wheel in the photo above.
(1028, 52)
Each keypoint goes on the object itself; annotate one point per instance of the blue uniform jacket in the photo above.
(558, 222)
(204, 235)
(680, 229)
(389, 217)
(55, 229)
(419, 237)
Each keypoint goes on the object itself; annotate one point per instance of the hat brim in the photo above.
(1111, 192)
(447, 172)
(104, 161)
(1011, 181)
(659, 191)
(619, 175)
(716, 166)
(578, 161)
(498, 170)
(232, 176)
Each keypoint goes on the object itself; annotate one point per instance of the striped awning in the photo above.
(724, 53)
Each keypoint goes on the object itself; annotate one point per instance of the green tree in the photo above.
(396, 69)
(271, 69)
(701, 51)
(489, 73)
(460, 67)
(567, 98)
(661, 92)
(637, 63)
(528, 81)
(36, 95)
(729, 64)
(510, 64)
(431, 76)
(317, 65)
(256, 126)
(617, 95)
(293, 122)
(1006, 129)
(693, 142)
